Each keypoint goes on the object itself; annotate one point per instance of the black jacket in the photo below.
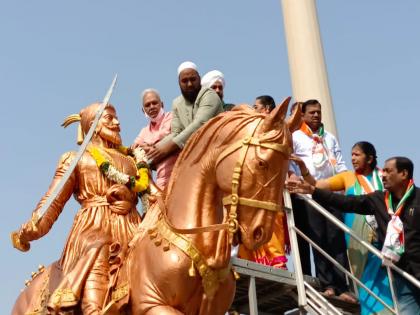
(374, 203)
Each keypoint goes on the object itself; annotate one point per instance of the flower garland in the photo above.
(137, 183)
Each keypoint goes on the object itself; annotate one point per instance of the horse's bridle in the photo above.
(211, 277)
(233, 199)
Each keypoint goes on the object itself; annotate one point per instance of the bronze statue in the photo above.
(226, 188)
(102, 228)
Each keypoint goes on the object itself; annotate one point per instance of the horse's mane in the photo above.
(237, 119)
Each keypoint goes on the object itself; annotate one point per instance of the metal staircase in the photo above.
(266, 290)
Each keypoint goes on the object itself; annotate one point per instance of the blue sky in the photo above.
(57, 57)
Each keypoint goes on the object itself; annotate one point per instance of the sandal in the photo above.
(348, 297)
(329, 292)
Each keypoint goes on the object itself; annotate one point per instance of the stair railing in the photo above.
(308, 297)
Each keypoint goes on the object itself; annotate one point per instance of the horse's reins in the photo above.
(233, 199)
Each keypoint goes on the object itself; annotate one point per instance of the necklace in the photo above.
(137, 183)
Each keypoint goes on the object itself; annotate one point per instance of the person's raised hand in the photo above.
(158, 153)
(299, 187)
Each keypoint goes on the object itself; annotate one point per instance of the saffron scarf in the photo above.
(320, 152)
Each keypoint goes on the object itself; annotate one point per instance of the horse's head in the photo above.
(251, 171)
(242, 157)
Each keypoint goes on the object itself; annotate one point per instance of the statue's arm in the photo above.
(31, 231)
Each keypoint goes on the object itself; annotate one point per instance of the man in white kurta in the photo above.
(321, 153)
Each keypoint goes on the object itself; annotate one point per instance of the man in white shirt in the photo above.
(321, 153)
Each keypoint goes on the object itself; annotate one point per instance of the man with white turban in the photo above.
(216, 80)
(194, 107)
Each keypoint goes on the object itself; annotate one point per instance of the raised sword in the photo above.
(36, 217)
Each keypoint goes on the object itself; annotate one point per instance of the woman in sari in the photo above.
(272, 253)
(367, 267)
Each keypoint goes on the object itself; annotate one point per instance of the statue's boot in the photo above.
(96, 286)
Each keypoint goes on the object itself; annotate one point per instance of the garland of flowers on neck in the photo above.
(138, 183)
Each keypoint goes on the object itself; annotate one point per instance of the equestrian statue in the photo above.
(225, 189)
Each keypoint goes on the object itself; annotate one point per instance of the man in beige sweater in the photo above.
(194, 107)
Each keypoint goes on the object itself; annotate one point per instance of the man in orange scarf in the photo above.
(321, 153)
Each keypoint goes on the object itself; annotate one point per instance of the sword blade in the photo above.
(40, 213)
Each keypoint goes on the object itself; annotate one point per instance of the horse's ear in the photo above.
(277, 115)
(295, 120)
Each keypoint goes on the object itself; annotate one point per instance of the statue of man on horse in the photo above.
(226, 188)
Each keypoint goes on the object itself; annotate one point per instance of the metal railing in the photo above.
(308, 296)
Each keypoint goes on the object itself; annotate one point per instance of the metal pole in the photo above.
(295, 250)
(391, 286)
(252, 297)
(307, 67)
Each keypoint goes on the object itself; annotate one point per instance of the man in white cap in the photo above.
(194, 107)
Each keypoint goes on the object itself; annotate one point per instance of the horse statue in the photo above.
(226, 188)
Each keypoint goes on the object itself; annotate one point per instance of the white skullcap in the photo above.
(186, 65)
(211, 77)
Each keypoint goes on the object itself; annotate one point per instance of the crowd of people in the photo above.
(318, 163)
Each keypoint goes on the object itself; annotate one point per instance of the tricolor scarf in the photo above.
(363, 186)
(320, 152)
(394, 240)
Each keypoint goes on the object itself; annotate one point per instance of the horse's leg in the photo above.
(220, 303)
(163, 310)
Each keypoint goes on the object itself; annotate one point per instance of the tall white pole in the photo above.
(306, 58)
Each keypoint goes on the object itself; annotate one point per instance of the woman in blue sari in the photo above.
(365, 178)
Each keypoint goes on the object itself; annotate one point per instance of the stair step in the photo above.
(275, 289)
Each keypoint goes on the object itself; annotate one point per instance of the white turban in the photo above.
(212, 77)
(186, 65)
